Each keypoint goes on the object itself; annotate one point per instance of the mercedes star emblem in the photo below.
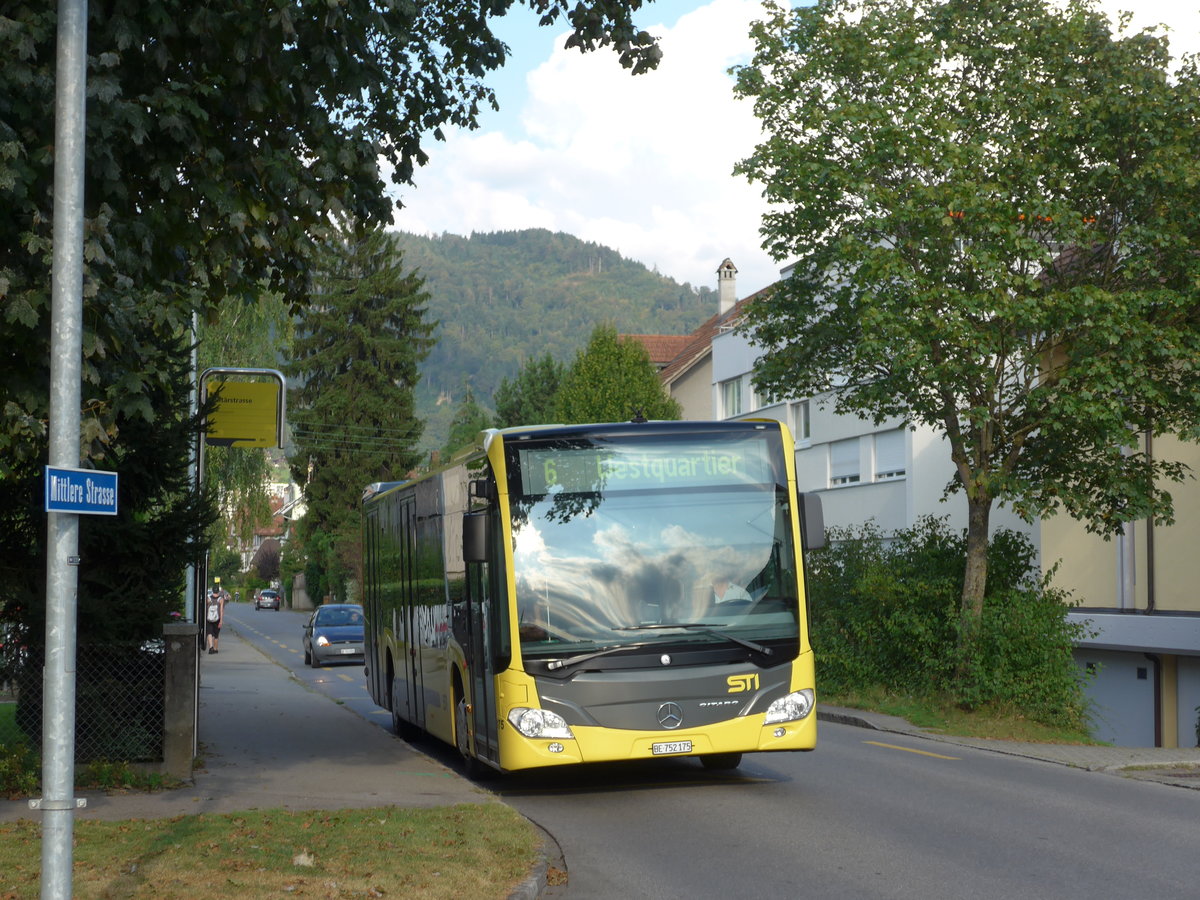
(670, 715)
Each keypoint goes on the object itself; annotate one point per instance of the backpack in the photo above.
(214, 610)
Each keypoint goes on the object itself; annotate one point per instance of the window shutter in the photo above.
(889, 454)
(843, 462)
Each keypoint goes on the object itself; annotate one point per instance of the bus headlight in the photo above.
(539, 723)
(790, 708)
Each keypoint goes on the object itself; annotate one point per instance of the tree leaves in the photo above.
(993, 210)
(612, 380)
(355, 361)
(528, 399)
(220, 139)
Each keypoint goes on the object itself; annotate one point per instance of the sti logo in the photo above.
(741, 683)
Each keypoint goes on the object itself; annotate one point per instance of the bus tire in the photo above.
(721, 761)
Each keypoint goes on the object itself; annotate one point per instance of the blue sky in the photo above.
(641, 164)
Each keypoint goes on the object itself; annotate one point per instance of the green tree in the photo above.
(528, 399)
(469, 419)
(132, 564)
(219, 138)
(355, 364)
(266, 560)
(885, 616)
(994, 210)
(612, 380)
(225, 564)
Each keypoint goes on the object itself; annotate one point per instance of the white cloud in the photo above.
(642, 164)
(1182, 18)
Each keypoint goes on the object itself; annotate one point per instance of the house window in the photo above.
(799, 423)
(889, 455)
(731, 397)
(843, 462)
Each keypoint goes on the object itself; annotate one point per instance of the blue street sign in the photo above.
(84, 491)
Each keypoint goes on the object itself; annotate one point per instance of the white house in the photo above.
(889, 474)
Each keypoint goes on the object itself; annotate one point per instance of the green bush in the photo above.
(885, 614)
(20, 772)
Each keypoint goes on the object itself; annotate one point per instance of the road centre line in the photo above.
(910, 750)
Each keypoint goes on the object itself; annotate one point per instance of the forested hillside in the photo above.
(501, 298)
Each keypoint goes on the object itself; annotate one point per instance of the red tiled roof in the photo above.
(699, 342)
(662, 347)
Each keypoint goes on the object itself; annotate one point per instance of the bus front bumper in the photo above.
(592, 744)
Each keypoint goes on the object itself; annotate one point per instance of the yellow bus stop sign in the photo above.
(246, 414)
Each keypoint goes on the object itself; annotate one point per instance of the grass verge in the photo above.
(943, 716)
(470, 850)
(21, 775)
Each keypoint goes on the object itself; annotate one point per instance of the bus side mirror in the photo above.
(812, 522)
(482, 489)
(476, 535)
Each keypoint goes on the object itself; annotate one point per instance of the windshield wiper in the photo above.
(556, 664)
(701, 626)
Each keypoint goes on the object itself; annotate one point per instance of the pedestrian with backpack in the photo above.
(214, 616)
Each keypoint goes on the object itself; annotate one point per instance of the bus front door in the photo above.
(480, 661)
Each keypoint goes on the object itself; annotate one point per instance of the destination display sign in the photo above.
(642, 466)
(84, 491)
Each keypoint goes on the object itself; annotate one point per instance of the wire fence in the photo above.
(119, 700)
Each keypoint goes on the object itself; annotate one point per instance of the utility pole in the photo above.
(62, 540)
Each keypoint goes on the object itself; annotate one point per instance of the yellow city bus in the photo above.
(572, 594)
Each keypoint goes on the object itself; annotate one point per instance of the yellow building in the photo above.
(1140, 595)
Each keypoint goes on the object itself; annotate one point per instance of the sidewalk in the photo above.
(1176, 766)
(268, 742)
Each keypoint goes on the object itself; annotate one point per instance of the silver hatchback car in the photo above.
(267, 599)
(334, 634)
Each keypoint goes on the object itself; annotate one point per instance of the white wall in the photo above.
(891, 504)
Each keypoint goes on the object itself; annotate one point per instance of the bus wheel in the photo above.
(721, 761)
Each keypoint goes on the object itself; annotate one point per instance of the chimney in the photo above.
(727, 286)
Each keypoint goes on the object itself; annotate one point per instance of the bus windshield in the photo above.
(624, 544)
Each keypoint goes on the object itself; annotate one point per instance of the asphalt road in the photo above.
(866, 815)
(280, 635)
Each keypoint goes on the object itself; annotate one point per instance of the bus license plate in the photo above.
(671, 747)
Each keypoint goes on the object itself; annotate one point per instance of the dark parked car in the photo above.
(267, 600)
(334, 633)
